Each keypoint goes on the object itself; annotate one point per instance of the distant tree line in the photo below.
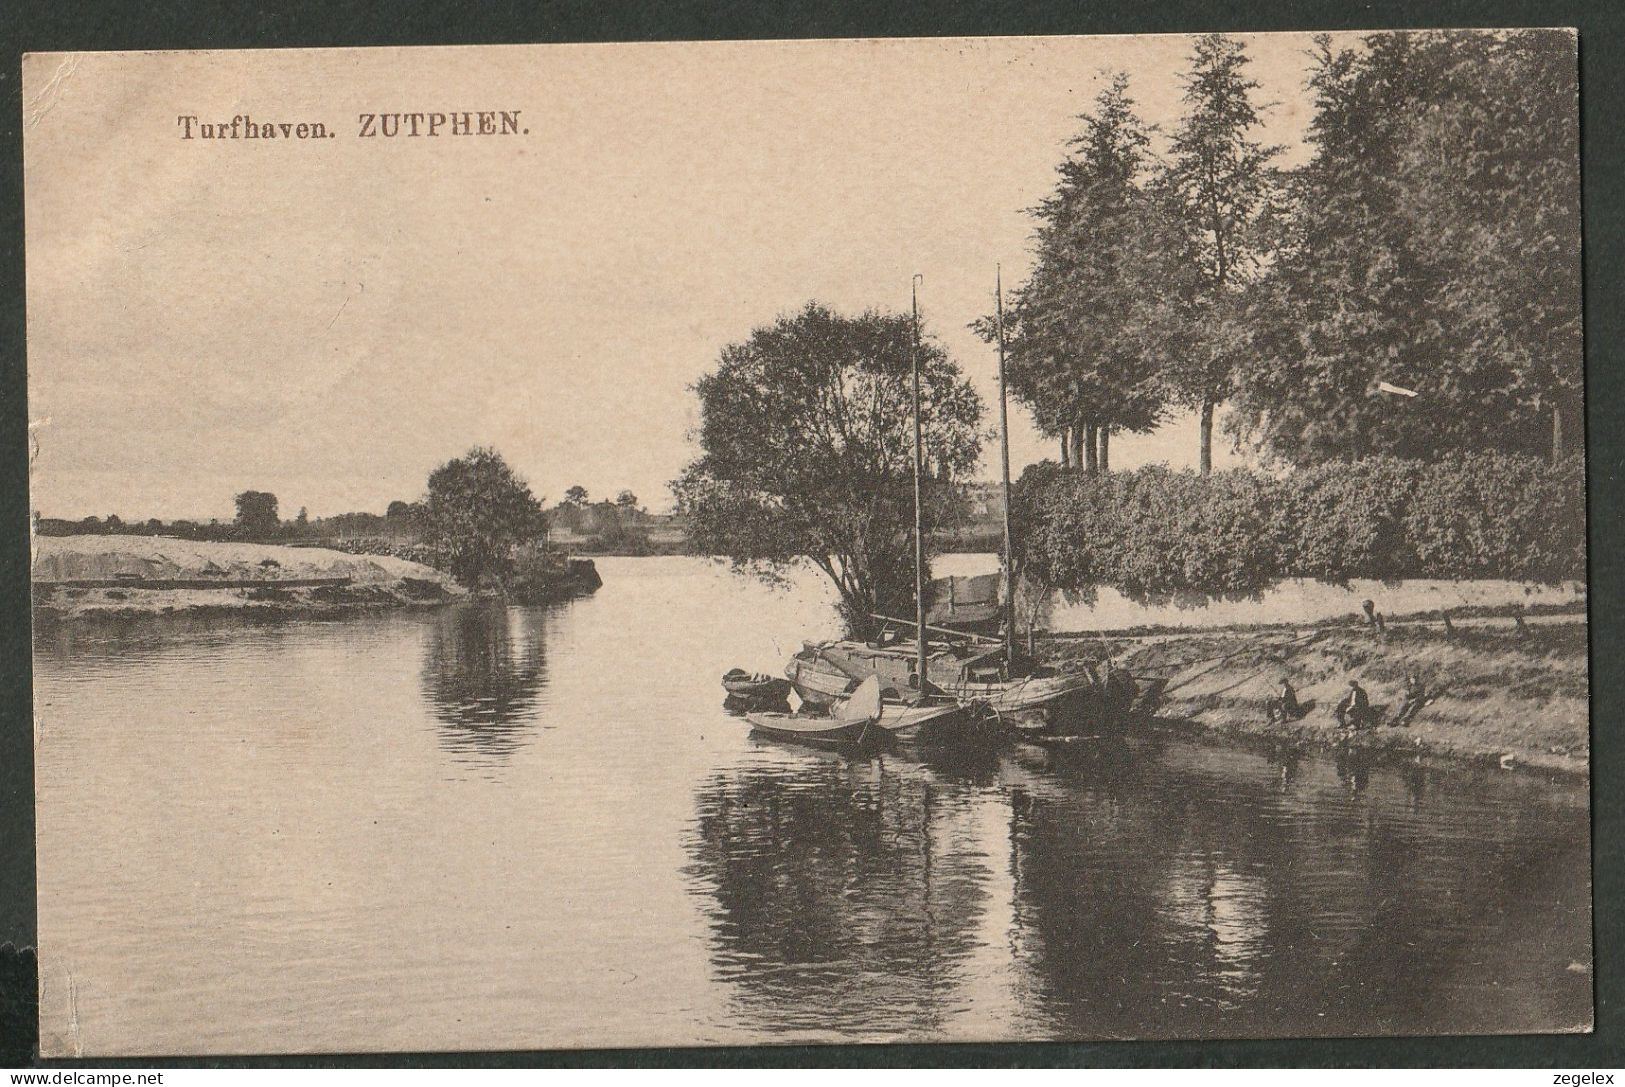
(476, 496)
(1430, 243)
(620, 527)
(257, 520)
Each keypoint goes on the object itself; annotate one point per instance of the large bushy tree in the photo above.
(1491, 183)
(476, 512)
(1433, 245)
(806, 452)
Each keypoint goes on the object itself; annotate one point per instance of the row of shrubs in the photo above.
(1155, 530)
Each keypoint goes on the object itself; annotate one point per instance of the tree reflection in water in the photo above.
(483, 673)
(837, 914)
(1176, 891)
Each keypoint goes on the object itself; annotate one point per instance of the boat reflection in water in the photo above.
(1174, 890)
(484, 671)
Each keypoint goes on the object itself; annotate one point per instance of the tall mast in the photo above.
(1004, 459)
(919, 517)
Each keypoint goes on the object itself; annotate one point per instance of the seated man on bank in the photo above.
(1285, 706)
(1416, 696)
(1353, 710)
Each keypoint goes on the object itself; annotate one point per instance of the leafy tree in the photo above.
(1433, 244)
(256, 513)
(1489, 178)
(303, 519)
(398, 510)
(476, 513)
(1079, 332)
(1219, 184)
(627, 501)
(806, 452)
(576, 496)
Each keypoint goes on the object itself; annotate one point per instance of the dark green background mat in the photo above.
(84, 25)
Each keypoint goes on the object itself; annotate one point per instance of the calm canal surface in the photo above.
(484, 827)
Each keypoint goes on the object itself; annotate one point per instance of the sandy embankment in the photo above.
(1500, 695)
(370, 580)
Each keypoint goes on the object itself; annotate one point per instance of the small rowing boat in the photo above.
(850, 722)
(755, 690)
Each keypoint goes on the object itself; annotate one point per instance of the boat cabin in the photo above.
(947, 664)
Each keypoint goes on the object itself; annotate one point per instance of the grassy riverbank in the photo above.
(116, 575)
(1501, 694)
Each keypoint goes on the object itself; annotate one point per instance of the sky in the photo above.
(328, 320)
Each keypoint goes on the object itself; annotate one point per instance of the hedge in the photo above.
(1155, 530)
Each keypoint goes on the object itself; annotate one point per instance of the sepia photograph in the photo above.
(756, 543)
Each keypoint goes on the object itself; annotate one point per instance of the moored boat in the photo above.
(853, 721)
(754, 684)
(939, 682)
(971, 673)
(817, 679)
(1056, 702)
(755, 690)
(809, 729)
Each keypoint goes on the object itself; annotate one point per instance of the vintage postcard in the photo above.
(808, 541)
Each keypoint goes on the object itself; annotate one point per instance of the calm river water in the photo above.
(482, 827)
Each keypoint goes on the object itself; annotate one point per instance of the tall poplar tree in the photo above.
(1219, 183)
(1080, 352)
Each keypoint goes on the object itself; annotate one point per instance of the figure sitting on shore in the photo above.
(1285, 706)
(1353, 711)
(1416, 696)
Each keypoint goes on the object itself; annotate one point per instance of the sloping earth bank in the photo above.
(1499, 694)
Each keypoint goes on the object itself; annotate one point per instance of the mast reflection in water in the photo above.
(851, 896)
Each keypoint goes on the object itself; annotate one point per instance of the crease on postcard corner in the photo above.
(45, 99)
(59, 1032)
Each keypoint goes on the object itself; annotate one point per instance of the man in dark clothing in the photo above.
(1285, 707)
(1353, 710)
